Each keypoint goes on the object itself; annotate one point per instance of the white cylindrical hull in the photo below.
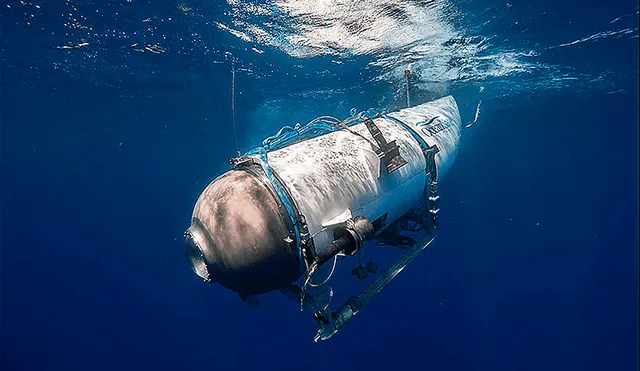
(340, 171)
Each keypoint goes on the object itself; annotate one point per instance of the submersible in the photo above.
(315, 192)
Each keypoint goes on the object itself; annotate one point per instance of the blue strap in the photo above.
(425, 147)
(283, 196)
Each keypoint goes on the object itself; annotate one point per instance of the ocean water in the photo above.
(116, 114)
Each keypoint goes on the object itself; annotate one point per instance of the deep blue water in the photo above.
(106, 146)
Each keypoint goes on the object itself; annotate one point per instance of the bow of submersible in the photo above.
(326, 189)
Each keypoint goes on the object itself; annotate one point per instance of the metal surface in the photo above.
(241, 232)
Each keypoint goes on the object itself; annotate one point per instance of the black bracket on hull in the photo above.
(388, 152)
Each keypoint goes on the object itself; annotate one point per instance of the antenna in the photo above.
(407, 73)
(233, 106)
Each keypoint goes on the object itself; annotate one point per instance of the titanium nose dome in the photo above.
(238, 235)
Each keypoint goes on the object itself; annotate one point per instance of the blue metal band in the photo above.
(425, 147)
(284, 197)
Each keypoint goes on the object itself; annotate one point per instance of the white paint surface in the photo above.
(337, 171)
